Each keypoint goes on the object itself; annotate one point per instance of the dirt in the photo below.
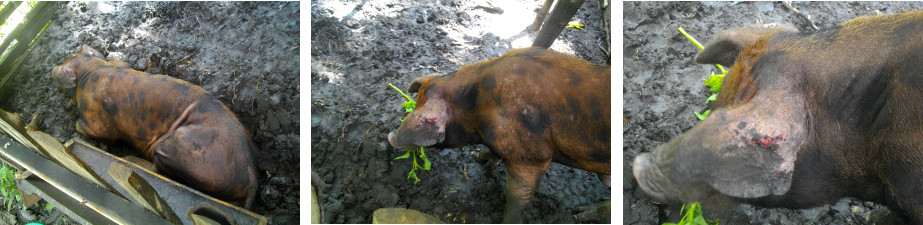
(663, 87)
(244, 53)
(358, 47)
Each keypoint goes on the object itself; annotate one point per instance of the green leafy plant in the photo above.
(8, 187)
(693, 216)
(713, 81)
(409, 106)
(575, 24)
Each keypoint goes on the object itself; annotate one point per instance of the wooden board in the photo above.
(100, 200)
(141, 191)
(180, 197)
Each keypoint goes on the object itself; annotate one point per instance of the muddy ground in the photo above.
(663, 87)
(244, 53)
(358, 47)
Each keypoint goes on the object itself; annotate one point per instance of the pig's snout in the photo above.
(649, 176)
(392, 141)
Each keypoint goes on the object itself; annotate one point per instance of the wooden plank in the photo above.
(19, 28)
(59, 154)
(180, 197)
(25, 44)
(102, 201)
(8, 10)
(142, 191)
(11, 124)
(24, 37)
(72, 208)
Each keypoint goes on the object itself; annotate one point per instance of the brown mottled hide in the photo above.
(530, 106)
(187, 133)
(804, 119)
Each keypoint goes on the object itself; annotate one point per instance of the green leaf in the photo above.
(49, 206)
(406, 155)
(409, 106)
(699, 220)
(426, 164)
(703, 115)
(711, 98)
(415, 178)
(575, 24)
(714, 81)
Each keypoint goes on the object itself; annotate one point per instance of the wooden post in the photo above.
(563, 11)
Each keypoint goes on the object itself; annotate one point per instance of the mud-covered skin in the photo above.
(805, 119)
(188, 134)
(530, 106)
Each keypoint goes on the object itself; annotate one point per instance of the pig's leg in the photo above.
(521, 181)
(490, 162)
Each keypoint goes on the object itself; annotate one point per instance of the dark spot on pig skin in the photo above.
(596, 110)
(574, 79)
(182, 88)
(152, 125)
(488, 83)
(603, 135)
(489, 64)
(141, 97)
(142, 134)
(466, 97)
(81, 106)
(600, 156)
(487, 131)
(741, 125)
(534, 119)
(110, 106)
(520, 70)
(134, 80)
(574, 106)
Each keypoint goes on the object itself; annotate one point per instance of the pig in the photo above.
(804, 119)
(187, 133)
(530, 106)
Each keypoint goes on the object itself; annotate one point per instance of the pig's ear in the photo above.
(92, 52)
(420, 81)
(724, 48)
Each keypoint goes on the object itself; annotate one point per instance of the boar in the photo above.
(804, 119)
(530, 106)
(187, 133)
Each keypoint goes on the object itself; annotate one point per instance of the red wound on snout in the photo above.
(767, 140)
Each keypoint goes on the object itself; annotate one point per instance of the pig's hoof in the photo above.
(594, 213)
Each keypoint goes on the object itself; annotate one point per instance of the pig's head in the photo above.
(425, 126)
(748, 145)
(64, 76)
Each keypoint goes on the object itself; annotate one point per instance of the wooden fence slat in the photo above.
(8, 10)
(112, 206)
(29, 18)
(142, 191)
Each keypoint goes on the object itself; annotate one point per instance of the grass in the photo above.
(8, 187)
